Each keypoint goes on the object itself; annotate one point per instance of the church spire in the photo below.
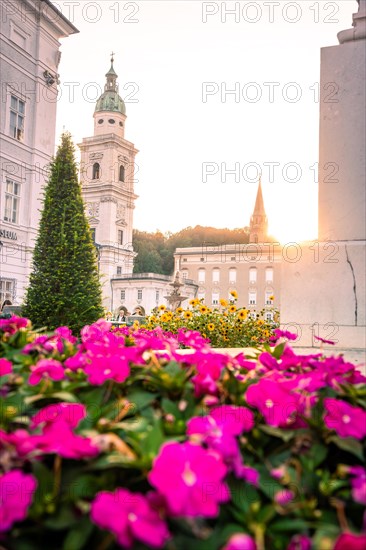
(258, 221)
(111, 84)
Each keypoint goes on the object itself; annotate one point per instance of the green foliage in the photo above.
(155, 250)
(64, 284)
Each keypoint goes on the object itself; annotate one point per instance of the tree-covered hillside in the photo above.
(155, 250)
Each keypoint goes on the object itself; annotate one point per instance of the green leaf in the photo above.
(349, 444)
(78, 536)
(290, 524)
(285, 435)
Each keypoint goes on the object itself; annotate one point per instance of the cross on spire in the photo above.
(112, 56)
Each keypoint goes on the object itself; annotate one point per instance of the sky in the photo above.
(217, 94)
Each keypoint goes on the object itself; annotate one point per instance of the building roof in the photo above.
(110, 100)
(71, 28)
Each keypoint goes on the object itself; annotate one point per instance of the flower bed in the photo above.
(226, 326)
(106, 444)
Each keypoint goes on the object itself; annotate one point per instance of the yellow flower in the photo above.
(194, 302)
(179, 310)
(162, 308)
(188, 315)
(165, 318)
(203, 309)
(223, 302)
(271, 297)
(232, 309)
(242, 314)
(234, 294)
(260, 322)
(211, 327)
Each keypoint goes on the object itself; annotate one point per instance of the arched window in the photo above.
(96, 171)
(122, 173)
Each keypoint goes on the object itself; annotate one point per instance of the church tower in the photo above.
(258, 221)
(107, 178)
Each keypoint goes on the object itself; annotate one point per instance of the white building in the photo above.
(30, 55)
(107, 179)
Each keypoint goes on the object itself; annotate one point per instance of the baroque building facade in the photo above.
(252, 270)
(107, 170)
(30, 57)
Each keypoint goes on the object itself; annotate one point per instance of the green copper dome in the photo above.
(110, 100)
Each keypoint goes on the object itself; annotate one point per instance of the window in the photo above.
(96, 171)
(139, 294)
(157, 296)
(184, 274)
(269, 274)
(123, 295)
(252, 298)
(17, 112)
(215, 298)
(232, 276)
(253, 275)
(269, 317)
(122, 173)
(120, 236)
(119, 270)
(7, 287)
(201, 296)
(12, 192)
(201, 275)
(100, 121)
(184, 259)
(92, 231)
(269, 298)
(111, 121)
(215, 275)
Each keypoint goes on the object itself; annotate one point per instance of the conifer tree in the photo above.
(64, 287)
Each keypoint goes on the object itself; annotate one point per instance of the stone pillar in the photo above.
(324, 293)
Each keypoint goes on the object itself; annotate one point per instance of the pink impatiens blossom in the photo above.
(219, 429)
(346, 420)
(191, 479)
(6, 367)
(46, 368)
(12, 325)
(57, 422)
(300, 542)
(350, 541)
(358, 483)
(240, 541)
(284, 497)
(16, 495)
(71, 413)
(23, 442)
(278, 406)
(129, 516)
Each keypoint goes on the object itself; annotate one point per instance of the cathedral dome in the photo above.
(110, 100)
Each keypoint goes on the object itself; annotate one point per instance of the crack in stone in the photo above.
(354, 284)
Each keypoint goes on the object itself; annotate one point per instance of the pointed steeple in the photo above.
(258, 221)
(111, 76)
(110, 99)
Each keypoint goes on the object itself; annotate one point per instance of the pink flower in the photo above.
(191, 479)
(209, 367)
(129, 516)
(46, 368)
(23, 442)
(240, 541)
(283, 334)
(350, 541)
(324, 341)
(278, 406)
(358, 483)
(284, 497)
(57, 435)
(70, 413)
(6, 367)
(12, 325)
(346, 420)
(16, 495)
(300, 542)
(219, 430)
